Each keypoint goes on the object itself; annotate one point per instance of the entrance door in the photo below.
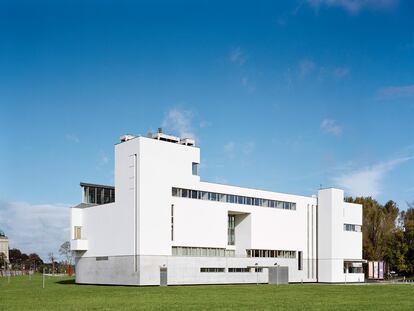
(163, 276)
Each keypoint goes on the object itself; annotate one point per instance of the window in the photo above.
(230, 253)
(231, 230)
(300, 261)
(77, 233)
(353, 267)
(184, 193)
(230, 198)
(201, 251)
(107, 195)
(195, 168)
(92, 196)
(270, 253)
(98, 194)
(101, 258)
(231, 270)
(172, 222)
(354, 228)
(213, 270)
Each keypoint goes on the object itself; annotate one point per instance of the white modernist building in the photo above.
(162, 225)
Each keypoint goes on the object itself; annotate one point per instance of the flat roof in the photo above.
(84, 184)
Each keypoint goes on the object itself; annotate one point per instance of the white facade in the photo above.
(154, 233)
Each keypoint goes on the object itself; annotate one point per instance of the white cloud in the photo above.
(237, 56)
(353, 6)
(331, 127)
(72, 138)
(393, 92)
(367, 181)
(179, 121)
(37, 229)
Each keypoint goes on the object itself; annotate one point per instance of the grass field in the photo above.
(63, 294)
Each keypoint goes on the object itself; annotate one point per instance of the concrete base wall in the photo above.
(117, 270)
(120, 270)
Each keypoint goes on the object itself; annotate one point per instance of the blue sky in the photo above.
(282, 96)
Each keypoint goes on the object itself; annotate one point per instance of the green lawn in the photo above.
(63, 294)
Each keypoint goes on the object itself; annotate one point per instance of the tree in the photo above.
(3, 263)
(408, 221)
(15, 256)
(383, 240)
(66, 252)
(52, 259)
(397, 252)
(35, 261)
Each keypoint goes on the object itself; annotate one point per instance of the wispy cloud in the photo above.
(281, 21)
(237, 56)
(353, 6)
(248, 148)
(103, 160)
(33, 228)
(245, 81)
(368, 181)
(393, 92)
(72, 138)
(232, 149)
(341, 72)
(180, 121)
(306, 67)
(229, 149)
(331, 127)
(204, 124)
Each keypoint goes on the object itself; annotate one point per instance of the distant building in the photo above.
(4, 245)
(162, 225)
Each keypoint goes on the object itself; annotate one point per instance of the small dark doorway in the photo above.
(163, 276)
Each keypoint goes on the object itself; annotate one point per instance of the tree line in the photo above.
(22, 261)
(388, 234)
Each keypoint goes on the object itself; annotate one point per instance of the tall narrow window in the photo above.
(231, 229)
(300, 261)
(77, 233)
(195, 168)
(172, 222)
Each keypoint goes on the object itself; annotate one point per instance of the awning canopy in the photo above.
(356, 260)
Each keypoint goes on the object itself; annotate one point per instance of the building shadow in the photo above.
(66, 282)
